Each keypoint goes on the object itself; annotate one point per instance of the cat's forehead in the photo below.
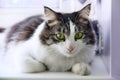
(66, 23)
(67, 16)
(71, 22)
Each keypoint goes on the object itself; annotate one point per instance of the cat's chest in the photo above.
(59, 63)
(55, 61)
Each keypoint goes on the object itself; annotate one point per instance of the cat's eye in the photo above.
(60, 36)
(78, 35)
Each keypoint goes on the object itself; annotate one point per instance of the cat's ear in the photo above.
(84, 13)
(50, 16)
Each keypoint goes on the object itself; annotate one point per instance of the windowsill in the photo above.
(52, 75)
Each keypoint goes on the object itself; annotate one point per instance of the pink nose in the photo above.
(70, 48)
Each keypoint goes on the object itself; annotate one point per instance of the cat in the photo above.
(56, 42)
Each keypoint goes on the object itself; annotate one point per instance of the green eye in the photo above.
(78, 35)
(60, 36)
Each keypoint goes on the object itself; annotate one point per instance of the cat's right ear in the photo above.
(50, 16)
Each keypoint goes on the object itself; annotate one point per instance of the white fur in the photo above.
(81, 68)
(28, 56)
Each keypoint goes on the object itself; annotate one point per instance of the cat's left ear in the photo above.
(50, 16)
(84, 13)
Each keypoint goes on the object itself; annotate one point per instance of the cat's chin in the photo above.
(69, 54)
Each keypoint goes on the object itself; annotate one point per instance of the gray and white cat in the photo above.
(59, 42)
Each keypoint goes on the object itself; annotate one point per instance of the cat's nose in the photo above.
(70, 49)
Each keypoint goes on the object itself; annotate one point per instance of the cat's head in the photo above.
(67, 33)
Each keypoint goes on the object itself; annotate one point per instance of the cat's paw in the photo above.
(81, 69)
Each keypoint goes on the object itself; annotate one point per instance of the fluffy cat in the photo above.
(55, 42)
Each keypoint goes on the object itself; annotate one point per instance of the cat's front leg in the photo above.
(30, 65)
(81, 69)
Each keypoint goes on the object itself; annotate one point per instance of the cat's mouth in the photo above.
(70, 54)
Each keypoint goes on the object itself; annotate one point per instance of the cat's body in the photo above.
(60, 43)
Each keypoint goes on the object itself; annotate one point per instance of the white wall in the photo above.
(104, 17)
(9, 16)
(21, 3)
